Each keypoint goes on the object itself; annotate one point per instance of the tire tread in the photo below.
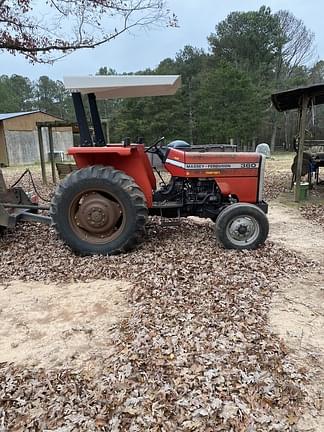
(115, 177)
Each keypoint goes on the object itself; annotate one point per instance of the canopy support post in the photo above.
(99, 136)
(85, 137)
(301, 134)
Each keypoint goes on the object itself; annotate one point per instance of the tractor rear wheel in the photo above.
(99, 210)
(242, 226)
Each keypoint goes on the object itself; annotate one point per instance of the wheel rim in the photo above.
(96, 216)
(243, 230)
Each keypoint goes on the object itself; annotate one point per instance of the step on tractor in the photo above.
(103, 206)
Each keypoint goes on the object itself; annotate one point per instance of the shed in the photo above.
(19, 139)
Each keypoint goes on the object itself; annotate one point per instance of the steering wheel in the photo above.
(147, 150)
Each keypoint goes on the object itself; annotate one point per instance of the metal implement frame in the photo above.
(15, 205)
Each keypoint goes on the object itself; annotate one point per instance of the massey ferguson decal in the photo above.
(197, 166)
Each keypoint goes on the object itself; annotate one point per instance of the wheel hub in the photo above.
(242, 229)
(97, 214)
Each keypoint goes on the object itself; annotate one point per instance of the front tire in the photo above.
(242, 226)
(99, 211)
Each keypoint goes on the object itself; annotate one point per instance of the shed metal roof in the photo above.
(122, 86)
(7, 116)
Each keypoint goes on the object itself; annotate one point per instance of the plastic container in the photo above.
(303, 191)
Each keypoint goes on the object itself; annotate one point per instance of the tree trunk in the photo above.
(286, 131)
(274, 136)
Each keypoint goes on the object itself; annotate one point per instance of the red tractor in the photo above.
(103, 207)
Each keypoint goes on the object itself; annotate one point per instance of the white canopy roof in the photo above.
(124, 86)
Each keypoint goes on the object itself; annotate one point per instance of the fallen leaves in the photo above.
(196, 353)
(276, 182)
(314, 213)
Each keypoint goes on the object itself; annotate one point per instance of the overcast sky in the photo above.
(197, 19)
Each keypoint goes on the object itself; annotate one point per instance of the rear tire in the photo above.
(242, 226)
(99, 211)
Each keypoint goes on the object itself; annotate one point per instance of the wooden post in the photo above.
(41, 154)
(302, 126)
(51, 149)
(3, 187)
(107, 131)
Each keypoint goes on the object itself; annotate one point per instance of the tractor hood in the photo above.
(124, 86)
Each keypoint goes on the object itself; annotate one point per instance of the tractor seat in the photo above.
(179, 144)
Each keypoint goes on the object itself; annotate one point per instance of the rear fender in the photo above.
(132, 160)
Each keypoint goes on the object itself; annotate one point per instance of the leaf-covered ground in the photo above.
(275, 183)
(196, 353)
(314, 213)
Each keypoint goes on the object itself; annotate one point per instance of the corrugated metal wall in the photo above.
(20, 139)
(3, 148)
(23, 148)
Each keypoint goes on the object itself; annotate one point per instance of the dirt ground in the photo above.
(297, 311)
(50, 325)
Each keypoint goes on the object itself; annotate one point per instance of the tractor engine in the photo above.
(195, 196)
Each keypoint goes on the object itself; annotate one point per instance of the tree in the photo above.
(16, 93)
(271, 48)
(247, 41)
(266, 45)
(316, 72)
(190, 63)
(104, 70)
(51, 96)
(170, 116)
(230, 106)
(69, 25)
(295, 45)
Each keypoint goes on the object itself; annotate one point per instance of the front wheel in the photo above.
(242, 226)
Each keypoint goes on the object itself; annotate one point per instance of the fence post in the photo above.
(41, 154)
(51, 149)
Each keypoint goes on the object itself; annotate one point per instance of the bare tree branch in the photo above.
(297, 45)
(68, 25)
